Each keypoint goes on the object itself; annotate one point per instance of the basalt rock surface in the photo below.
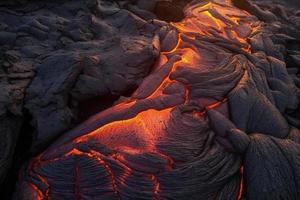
(211, 108)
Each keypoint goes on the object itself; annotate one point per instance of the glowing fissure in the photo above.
(96, 155)
(39, 194)
(46, 183)
(156, 186)
(241, 189)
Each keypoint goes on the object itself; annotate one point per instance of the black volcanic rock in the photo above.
(277, 163)
(79, 55)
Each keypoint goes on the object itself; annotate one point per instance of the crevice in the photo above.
(94, 105)
(21, 154)
(171, 11)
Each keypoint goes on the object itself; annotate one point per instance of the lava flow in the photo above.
(141, 148)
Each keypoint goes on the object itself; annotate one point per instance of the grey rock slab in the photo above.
(272, 168)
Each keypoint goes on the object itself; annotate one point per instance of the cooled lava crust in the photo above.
(206, 123)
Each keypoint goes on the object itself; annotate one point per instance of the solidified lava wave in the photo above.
(159, 143)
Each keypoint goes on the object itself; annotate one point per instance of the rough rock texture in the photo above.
(65, 53)
(79, 51)
(214, 115)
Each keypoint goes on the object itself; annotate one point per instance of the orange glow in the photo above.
(156, 186)
(39, 193)
(213, 19)
(241, 189)
(170, 160)
(179, 41)
(95, 155)
(202, 18)
(216, 104)
(146, 127)
(46, 183)
(190, 57)
(209, 107)
(121, 160)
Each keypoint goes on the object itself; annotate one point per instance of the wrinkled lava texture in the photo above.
(182, 100)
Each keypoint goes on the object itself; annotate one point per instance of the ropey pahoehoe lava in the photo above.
(209, 121)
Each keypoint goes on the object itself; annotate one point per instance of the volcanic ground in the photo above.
(150, 99)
